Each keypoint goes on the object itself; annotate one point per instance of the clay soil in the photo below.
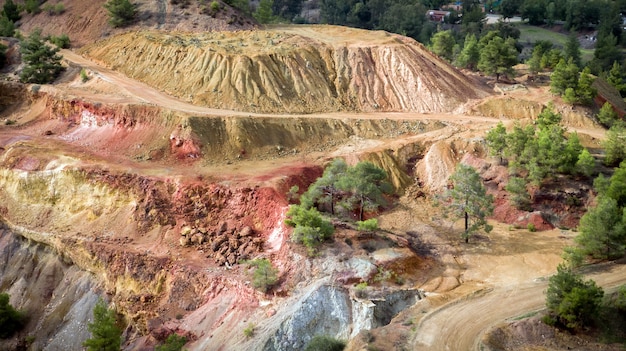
(470, 287)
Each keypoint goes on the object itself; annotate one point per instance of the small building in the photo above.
(437, 15)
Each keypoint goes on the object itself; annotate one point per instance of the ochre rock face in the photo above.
(293, 70)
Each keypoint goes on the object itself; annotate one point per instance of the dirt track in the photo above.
(460, 325)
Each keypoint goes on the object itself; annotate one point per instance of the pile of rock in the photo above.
(226, 245)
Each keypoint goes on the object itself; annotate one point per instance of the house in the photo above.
(437, 15)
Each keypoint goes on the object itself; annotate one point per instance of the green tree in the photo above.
(586, 164)
(574, 302)
(616, 188)
(11, 11)
(585, 92)
(105, 334)
(468, 199)
(497, 56)
(607, 115)
(520, 198)
(11, 320)
(509, 8)
(617, 78)
(264, 13)
(310, 229)
(32, 6)
(121, 12)
(534, 11)
(325, 343)
(565, 76)
(496, 141)
(572, 49)
(470, 54)
(615, 145)
(265, 274)
(443, 44)
(607, 51)
(602, 231)
(174, 342)
(325, 189)
(539, 51)
(43, 64)
(7, 28)
(366, 185)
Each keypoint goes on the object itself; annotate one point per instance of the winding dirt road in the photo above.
(460, 325)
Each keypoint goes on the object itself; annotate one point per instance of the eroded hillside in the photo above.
(291, 70)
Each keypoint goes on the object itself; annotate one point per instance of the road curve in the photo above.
(460, 325)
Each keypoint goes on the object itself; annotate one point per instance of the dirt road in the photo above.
(460, 325)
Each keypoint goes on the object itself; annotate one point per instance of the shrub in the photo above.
(368, 225)
(531, 227)
(54, 10)
(11, 320)
(7, 28)
(310, 228)
(325, 343)
(265, 275)
(215, 6)
(174, 342)
(32, 6)
(83, 75)
(249, 330)
(62, 41)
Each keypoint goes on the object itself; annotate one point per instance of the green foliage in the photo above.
(601, 231)
(607, 115)
(443, 44)
(540, 50)
(565, 76)
(574, 301)
(265, 274)
(325, 343)
(121, 12)
(43, 64)
(573, 256)
(11, 11)
(496, 140)
(105, 334)
(518, 192)
(468, 199)
(470, 54)
(62, 41)
(497, 55)
(572, 49)
(531, 227)
(365, 185)
(606, 53)
(54, 10)
(617, 78)
(83, 76)
(586, 164)
(11, 320)
(616, 188)
(368, 225)
(174, 342)
(620, 299)
(32, 6)
(534, 11)
(310, 228)
(7, 28)
(325, 189)
(249, 330)
(263, 13)
(614, 145)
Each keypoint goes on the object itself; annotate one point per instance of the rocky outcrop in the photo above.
(295, 70)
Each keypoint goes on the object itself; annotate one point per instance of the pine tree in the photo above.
(607, 115)
(614, 145)
(11, 11)
(496, 140)
(469, 56)
(617, 78)
(497, 56)
(602, 232)
(7, 28)
(264, 13)
(366, 185)
(265, 274)
(468, 199)
(43, 64)
(121, 12)
(443, 44)
(572, 49)
(586, 164)
(520, 198)
(565, 76)
(105, 334)
(11, 320)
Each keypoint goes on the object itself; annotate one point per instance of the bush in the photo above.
(369, 225)
(325, 343)
(62, 41)
(54, 10)
(249, 330)
(531, 227)
(265, 275)
(7, 28)
(174, 342)
(310, 228)
(83, 75)
(121, 12)
(32, 6)
(11, 320)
